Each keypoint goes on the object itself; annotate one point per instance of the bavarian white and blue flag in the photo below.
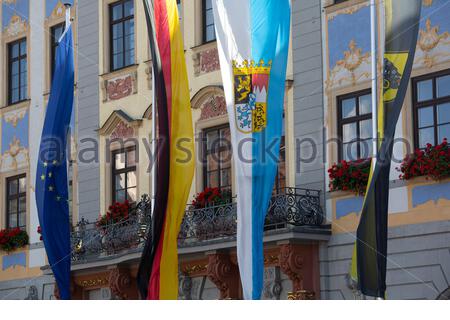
(253, 41)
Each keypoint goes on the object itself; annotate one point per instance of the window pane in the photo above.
(15, 95)
(117, 31)
(120, 160)
(12, 221)
(443, 111)
(15, 82)
(23, 92)
(365, 148)
(426, 136)
(443, 86)
(210, 33)
(14, 50)
(129, 42)
(22, 185)
(131, 179)
(348, 108)
(225, 137)
(212, 140)
(129, 27)
(117, 45)
(118, 61)
(15, 68)
(13, 184)
(350, 151)
(23, 48)
(117, 12)
(22, 219)
(213, 179)
(120, 196)
(424, 90)
(365, 104)
(444, 132)
(209, 18)
(12, 208)
(129, 8)
(131, 194)
(225, 178)
(212, 163)
(23, 204)
(349, 132)
(129, 57)
(365, 129)
(120, 181)
(208, 4)
(426, 117)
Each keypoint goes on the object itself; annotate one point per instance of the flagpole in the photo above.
(373, 41)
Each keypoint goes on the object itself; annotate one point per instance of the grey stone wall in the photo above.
(40, 288)
(88, 105)
(418, 262)
(308, 92)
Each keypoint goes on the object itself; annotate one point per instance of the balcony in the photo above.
(290, 210)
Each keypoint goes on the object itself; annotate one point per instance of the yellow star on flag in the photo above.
(51, 188)
(43, 177)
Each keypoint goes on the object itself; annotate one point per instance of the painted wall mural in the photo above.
(15, 16)
(55, 7)
(348, 45)
(14, 151)
(433, 45)
(434, 192)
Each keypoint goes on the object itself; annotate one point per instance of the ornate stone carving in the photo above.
(301, 295)
(291, 263)
(194, 269)
(225, 275)
(214, 107)
(206, 61)
(16, 26)
(185, 288)
(58, 11)
(97, 282)
(272, 283)
(119, 88)
(120, 282)
(14, 150)
(122, 131)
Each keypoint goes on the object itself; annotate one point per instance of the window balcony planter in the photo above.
(13, 239)
(351, 176)
(432, 163)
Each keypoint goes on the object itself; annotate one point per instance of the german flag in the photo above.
(158, 270)
(369, 258)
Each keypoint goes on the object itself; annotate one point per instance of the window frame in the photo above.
(205, 154)
(433, 102)
(354, 119)
(121, 21)
(204, 26)
(19, 58)
(16, 197)
(53, 47)
(126, 171)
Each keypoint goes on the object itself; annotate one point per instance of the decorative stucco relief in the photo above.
(206, 61)
(122, 131)
(16, 26)
(354, 67)
(16, 157)
(119, 87)
(433, 46)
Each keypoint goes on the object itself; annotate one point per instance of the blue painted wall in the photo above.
(20, 8)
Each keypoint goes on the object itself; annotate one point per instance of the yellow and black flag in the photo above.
(369, 259)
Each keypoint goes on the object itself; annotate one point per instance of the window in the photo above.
(124, 175)
(355, 125)
(209, 33)
(16, 202)
(55, 34)
(431, 99)
(122, 34)
(17, 68)
(217, 158)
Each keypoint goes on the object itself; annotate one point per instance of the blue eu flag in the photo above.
(51, 176)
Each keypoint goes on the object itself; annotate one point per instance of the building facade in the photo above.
(309, 230)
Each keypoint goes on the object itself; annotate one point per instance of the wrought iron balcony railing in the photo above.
(289, 207)
(90, 242)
